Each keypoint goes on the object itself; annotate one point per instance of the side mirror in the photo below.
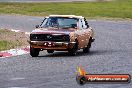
(37, 26)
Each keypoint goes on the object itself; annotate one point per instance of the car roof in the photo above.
(69, 16)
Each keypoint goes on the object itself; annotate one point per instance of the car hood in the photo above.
(52, 31)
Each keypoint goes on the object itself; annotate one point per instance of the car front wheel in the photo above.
(73, 51)
(34, 52)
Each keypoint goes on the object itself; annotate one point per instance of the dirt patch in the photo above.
(10, 39)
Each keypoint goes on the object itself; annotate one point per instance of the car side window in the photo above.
(80, 24)
(84, 24)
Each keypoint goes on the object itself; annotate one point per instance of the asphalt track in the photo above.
(110, 53)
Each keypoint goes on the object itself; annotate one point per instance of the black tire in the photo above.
(73, 51)
(50, 51)
(87, 49)
(34, 52)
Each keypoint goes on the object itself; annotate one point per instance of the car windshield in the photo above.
(59, 22)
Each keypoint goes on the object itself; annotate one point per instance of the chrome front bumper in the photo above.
(51, 45)
(49, 42)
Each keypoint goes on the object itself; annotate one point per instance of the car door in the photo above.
(81, 35)
(86, 31)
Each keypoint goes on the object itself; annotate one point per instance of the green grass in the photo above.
(5, 45)
(113, 9)
(10, 39)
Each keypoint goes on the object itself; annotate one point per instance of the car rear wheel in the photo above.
(34, 52)
(87, 49)
(50, 51)
(73, 51)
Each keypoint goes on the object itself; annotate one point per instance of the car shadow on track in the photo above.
(102, 52)
(80, 53)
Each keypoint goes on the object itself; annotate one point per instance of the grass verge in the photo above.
(112, 9)
(10, 40)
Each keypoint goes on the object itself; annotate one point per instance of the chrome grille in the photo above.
(49, 37)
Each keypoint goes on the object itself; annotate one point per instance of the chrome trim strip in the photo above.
(54, 42)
